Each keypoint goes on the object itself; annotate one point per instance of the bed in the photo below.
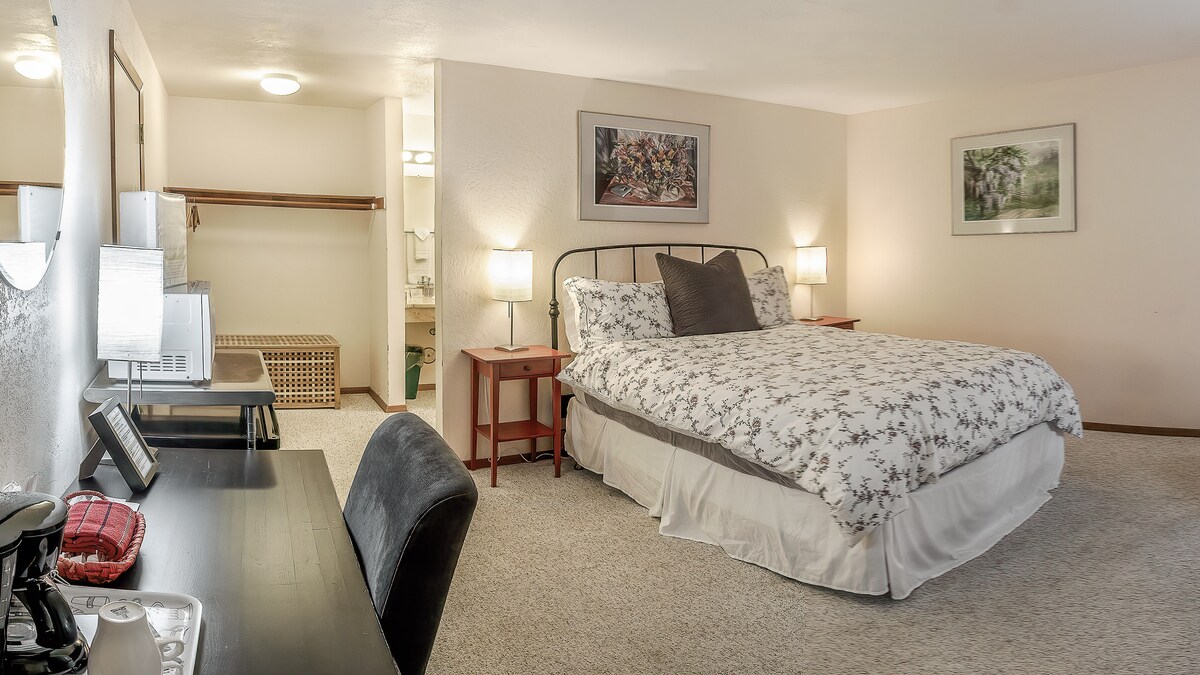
(861, 462)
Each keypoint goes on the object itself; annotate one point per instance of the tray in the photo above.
(171, 615)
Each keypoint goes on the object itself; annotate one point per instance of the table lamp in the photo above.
(130, 312)
(512, 281)
(812, 270)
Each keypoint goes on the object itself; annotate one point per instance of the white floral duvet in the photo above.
(859, 419)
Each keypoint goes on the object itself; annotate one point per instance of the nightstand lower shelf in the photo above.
(515, 431)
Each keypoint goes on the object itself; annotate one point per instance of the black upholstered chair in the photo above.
(408, 512)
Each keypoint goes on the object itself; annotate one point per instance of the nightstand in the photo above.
(530, 364)
(833, 322)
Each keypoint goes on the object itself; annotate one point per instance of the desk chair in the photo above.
(408, 512)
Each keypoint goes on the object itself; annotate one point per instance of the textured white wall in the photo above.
(31, 125)
(385, 131)
(506, 176)
(1113, 306)
(279, 270)
(377, 300)
(31, 129)
(48, 335)
(418, 132)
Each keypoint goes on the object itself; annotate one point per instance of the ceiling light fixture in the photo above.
(280, 84)
(33, 67)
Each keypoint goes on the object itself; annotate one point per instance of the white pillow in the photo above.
(769, 295)
(570, 315)
(609, 311)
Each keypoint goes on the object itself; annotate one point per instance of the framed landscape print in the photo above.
(1015, 181)
(639, 169)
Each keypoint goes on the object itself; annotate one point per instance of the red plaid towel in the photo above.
(98, 526)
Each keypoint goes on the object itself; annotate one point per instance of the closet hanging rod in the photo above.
(278, 199)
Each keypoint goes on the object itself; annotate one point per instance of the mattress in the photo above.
(936, 528)
(710, 451)
(859, 419)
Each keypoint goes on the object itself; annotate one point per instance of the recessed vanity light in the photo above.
(406, 155)
(280, 84)
(33, 67)
(423, 157)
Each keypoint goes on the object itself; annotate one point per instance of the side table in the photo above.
(497, 366)
(832, 322)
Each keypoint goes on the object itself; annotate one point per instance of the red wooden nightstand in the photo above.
(833, 322)
(530, 364)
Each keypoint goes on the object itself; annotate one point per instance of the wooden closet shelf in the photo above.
(278, 199)
(8, 188)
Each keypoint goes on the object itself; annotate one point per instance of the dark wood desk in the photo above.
(259, 538)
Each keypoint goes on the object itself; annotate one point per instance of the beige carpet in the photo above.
(570, 576)
(343, 434)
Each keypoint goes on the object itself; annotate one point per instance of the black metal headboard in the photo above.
(633, 249)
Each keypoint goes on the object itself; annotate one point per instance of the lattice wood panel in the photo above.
(305, 370)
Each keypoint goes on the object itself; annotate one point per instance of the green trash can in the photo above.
(414, 357)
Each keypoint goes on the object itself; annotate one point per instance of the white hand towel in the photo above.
(420, 257)
(422, 244)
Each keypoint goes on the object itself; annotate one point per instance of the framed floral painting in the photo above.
(645, 170)
(1015, 181)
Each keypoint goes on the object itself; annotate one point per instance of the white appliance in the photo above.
(157, 220)
(38, 212)
(187, 339)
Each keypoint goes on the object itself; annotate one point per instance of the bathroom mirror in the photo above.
(127, 129)
(32, 141)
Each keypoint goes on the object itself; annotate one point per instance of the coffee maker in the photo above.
(40, 635)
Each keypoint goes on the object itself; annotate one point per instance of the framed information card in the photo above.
(124, 444)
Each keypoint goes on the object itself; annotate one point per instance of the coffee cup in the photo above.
(125, 644)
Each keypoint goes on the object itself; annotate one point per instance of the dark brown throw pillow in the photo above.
(706, 298)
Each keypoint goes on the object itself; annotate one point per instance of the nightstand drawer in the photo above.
(526, 369)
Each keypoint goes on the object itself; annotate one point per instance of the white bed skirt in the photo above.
(790, 531)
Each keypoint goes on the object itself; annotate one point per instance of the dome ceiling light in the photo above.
(280, 84)
(33, 67)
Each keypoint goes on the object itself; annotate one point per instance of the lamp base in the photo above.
(510, 348)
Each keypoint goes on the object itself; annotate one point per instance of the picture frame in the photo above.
(639, 169)
(124, 444)
(1014, 182)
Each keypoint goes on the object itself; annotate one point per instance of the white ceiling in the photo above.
(845, 56)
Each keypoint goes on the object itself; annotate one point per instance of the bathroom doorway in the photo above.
(420, 289)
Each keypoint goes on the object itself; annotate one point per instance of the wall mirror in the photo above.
(32, 141)
(126, 125)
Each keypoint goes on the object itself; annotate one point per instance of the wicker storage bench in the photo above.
(305, 369)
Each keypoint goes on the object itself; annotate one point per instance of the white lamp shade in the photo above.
(811, 265)
(130, 313)
(512, 275)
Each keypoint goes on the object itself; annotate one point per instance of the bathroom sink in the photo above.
(415, 296)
